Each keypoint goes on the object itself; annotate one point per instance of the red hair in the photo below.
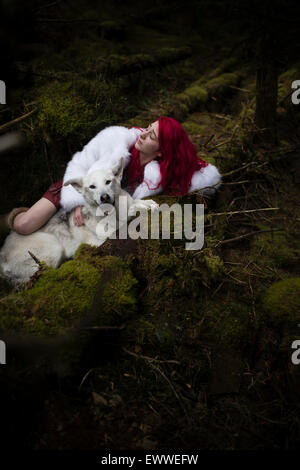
(178, 161)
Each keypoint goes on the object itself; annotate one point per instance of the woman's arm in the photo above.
(104, 150)
(152, 176)
(207, 180)
(76, 168)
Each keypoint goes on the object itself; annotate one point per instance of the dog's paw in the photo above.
(150, 204)
(133, 210)
(140, 205)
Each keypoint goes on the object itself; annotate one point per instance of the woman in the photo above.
(162, 159)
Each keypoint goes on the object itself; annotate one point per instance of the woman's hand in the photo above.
(78, 219)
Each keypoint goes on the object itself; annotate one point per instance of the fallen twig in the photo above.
(208, 140)
(38, 262)
(241, 89)
(236, 182)
(242, 168)
(243, 211)
(103, 328)
(9, 124)
(61, 20)
(225, 141)
(198, 191)
(222, 242)
(150, 359)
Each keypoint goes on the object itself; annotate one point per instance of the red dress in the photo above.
(53, 193)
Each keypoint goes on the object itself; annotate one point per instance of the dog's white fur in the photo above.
(107, 148)
(60, 237)
(102, 152)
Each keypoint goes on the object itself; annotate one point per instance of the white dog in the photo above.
(60, 237)
(107, 148)
(102, 152)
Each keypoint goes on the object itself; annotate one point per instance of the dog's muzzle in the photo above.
(105, 198)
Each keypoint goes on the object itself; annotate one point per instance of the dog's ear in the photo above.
(118, 169)
(76, 183)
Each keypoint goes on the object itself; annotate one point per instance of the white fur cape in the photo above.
(106, 149)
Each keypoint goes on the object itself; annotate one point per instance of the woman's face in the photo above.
(147, 144)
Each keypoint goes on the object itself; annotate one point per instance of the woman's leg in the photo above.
(35, 217)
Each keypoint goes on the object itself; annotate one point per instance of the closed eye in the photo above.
(92, 186)
(151, 133)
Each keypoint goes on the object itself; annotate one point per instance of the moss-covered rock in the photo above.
(198, 92)
(193, 96)
(168, 55)
(273, 249)
(221, 83)
(282, 301)
(61, 297)
(214, 265)
(57, 317)
(122, 65)
(225, 66)
(62, 111)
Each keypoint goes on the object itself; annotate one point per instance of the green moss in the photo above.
(211, 160)
(62, 111)
(128, 64)
(122, 64)
(282, 301)
(118, 301)
(182, 111)
(228, 323)
(62, 297)
(58, 314)
(226, 65)
(215, 266)
(193, 128)
(198, 92)
(136, 121)
(168, 55)
(221, 83)
(273, 248)
(193, 96)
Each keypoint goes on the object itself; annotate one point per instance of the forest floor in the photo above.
(206, 364)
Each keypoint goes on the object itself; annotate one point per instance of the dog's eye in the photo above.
(92, 186)
(107, 182)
